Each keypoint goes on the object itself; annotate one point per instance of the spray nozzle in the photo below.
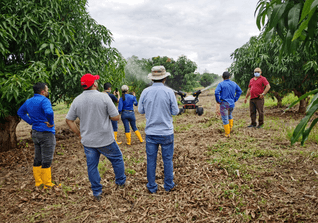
(181, 93)
(196, 93)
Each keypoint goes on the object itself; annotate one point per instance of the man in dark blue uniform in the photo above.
(226, 94)
(37, 111)
(107, 89)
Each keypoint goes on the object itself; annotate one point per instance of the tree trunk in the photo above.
(302, 106)
(279, 99)
(8, 137)
(302, 103)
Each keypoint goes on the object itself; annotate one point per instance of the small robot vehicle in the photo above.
(190, 102)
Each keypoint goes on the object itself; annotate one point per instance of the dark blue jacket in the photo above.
(228, 91)
(36, 111)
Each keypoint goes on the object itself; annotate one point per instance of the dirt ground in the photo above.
(255, 176)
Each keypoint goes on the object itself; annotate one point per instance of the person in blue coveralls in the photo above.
(37, 111)
(159, 104)
(226, 94)
(108, 89)
(126, 109)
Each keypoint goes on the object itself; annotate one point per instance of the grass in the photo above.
(60, 108)
(247, 158)
(272, 102)
(102, 166)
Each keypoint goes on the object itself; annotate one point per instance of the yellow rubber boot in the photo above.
(231, 124)
(115, 135)
(227, 130)
(47, 177)
(128, 136)
(139, 136)
(37, 172)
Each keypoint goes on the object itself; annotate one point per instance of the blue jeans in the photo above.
(114, 155)
(115, 125)
(226, 112)
(129, 117)
(167, 148)
(44, 147)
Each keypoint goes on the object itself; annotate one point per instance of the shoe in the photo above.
(152, 192)
(231, 124)
(98, 197)
(227, 130)
(173, 189)
(139, 135)
(47, 178)
(115, 135)
(259, 126)
(37, 173)
(251, 126)
(123, 185)
(128, 137)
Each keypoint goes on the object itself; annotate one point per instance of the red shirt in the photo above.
(257, 86)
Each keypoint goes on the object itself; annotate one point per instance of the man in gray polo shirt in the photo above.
(95, 111)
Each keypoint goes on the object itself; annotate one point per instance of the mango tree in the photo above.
(284, 72)
(182, 72)
(207, 79)
(296, 23)
(51, 41)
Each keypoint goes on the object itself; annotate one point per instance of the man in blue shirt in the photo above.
(159, 104)
(37, 111)
(226, 94)
(107, 89)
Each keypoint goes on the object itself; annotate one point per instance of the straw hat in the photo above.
(158, 73)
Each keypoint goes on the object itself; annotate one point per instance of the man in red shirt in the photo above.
(257, 92)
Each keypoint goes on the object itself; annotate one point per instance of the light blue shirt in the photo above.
(228, 91)
(159, 104)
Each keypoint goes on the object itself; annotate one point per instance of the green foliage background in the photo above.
(55, 42)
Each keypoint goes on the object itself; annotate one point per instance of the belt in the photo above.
(129, 110)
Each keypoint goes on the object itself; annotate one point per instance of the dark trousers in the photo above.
(44, 146)
(257, 104)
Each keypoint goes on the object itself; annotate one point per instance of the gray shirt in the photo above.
(94, 108)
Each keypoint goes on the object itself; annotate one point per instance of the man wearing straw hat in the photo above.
(159, 104)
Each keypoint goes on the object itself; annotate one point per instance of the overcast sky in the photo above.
(206, 31)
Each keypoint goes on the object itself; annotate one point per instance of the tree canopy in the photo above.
(208, 78)
(295, 22)
(285, 72)
(182, 72)
(51, 41)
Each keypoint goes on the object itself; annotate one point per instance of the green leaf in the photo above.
(307, 131)
(52, 47)
(47, 51)
(306, 9)
(276, 15)
(303, 123)
(314, 101)
(301, 98)
(293, 17)
(303, 26)
(43, 46)
(57, 52)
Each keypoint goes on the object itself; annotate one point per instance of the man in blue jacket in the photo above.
(107, 89)
(37, 111)
(226, 94)
(159, 104)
